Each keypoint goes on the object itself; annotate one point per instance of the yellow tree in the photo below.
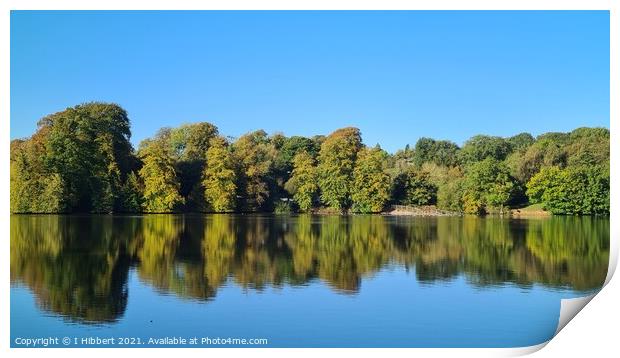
(303, 179)
(336, 163)
(161, 186)
(219, 177)
(371, 184)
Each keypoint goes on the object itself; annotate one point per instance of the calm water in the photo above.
(303, 280)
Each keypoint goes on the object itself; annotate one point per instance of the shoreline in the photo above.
(424, 210)
(419, 211)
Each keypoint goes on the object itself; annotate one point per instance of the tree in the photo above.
(543, 153)
(199, 138)
(89, 147)
(189, 144)
(161, 185)
(292, 146)
(255, 154)
(501, 191)
(33, 188)
(371, 184)
(487, 184)
(449, 184)
(336, 162)
(414, 187)
(82, 153)
(131, 195)
(520, 141)
(442, 152)
(588, 146)
(480, 147)
(303, 182)
(400, 161)
(219, 177)
(450, 194)
(286, 150)
(580, 190)
(540, 186)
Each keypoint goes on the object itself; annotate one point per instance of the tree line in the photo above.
(81, 160)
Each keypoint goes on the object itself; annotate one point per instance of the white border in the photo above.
(595, 329)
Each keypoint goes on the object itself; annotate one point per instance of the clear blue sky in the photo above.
(397, 76)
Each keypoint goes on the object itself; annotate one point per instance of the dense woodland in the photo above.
(81, 161)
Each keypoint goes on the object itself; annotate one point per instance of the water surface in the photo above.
(302, 281)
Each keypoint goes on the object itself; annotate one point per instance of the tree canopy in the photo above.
(161, 184)
(81, 160)
(220, 177)
(303, 183)
(336, 163)
(75, 162)
(371, 184)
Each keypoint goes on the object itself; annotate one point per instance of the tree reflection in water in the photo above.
(77, 266)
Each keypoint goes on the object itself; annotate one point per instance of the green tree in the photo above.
(81, 154)
(543, 153)
(449, 184)
(413, 187)
(588, 146)
(88, 146)
(450, 194)
(542, 184)
(501, 191)
(286, 150)
(131, 195)
(487, 184)
(580, 190)
(219, 177)
(189, 141)
(520, 141)
(335, 169)
(480, 147)
(440, 152)
(371, 184)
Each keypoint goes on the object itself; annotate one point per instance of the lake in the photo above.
(299, 281)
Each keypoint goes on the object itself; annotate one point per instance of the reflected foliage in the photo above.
(78, 266)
